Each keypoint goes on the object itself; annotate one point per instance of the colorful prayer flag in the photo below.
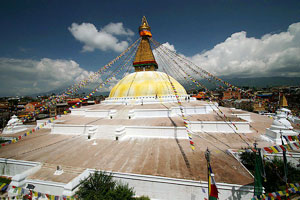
(212, 188)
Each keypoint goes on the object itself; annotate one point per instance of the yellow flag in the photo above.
(275, 150)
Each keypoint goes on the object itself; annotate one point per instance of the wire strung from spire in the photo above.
(54, 99)
(112, 74)
(166, 54)
(177, 56)
(206, 72)
(159, 54)
(192, 145)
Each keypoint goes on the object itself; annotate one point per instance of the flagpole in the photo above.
(285, 166)
(257, 172)
(207, 156)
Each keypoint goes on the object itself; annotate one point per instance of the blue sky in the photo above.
(32, 31)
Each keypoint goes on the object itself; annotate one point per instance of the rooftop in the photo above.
(159, 157)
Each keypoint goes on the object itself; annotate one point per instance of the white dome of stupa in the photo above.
(146, 84)
(281, 123)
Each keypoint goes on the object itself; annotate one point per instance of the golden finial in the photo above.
(144, 21)
(144, 25)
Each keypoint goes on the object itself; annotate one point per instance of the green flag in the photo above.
(258, 188)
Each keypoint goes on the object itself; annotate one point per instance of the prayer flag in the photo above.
(212, 188)
(274, 149)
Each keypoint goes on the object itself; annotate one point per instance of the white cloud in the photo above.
(242, 56)
(105, 39)
(25, 76)
(271, 55)
(117, 29)
(170, 46)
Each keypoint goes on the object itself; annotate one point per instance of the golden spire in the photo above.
(283, 102)
(144, 58)
(144, 24)
(144, 28)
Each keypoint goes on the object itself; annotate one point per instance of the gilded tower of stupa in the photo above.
(144, 58)
(146, 84)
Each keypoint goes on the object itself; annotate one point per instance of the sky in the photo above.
(49, 44)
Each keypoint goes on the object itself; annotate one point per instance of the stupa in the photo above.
(138, 134)
(280, 126)
(146, 84)
(14, 125)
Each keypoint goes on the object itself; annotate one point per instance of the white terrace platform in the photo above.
(118, 122)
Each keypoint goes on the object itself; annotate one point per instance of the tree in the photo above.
(274, 172)
(102, 186)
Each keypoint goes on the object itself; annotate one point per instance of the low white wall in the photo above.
(211, 106)
(97, 113)
(47, 187)
(19, 170)
(10, 167)
(276, 136)
(189, 110)
(113, 131)
(157, 187)
(40, 122)
(174, 111)
(78, 111)
(144, 100)
(70, 129)
(246, 117)
(144, 113)
(154, 132)
(219, 127)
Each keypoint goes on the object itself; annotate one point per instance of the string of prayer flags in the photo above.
(73, 89)
(15, 140)
(3, 187)
(29, 194)
(103, 83)
(224, 117)
(188, 63)
(281, 148)
(293, 188)
(292, 138)
(84, 82)
(192, 145)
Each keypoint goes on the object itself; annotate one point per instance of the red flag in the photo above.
(212, 188)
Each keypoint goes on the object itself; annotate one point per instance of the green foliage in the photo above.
(3, 140)
(121, 192)
(274, 172)
(142, 198)
(5, 180)
(101, 186)
(248, 160)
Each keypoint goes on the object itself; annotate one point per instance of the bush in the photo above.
(101, 186)
(142, 198)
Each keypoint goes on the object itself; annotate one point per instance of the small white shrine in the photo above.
(280, 126)
(14, 125)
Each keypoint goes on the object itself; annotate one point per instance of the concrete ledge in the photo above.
(70, 129)
(153, 186)
(47, 187)
(78, 111)
(144, 100)
(246, 116)
(156, 186)
(151, 132)
(19, 170)
(219, 127)
(173, 111)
